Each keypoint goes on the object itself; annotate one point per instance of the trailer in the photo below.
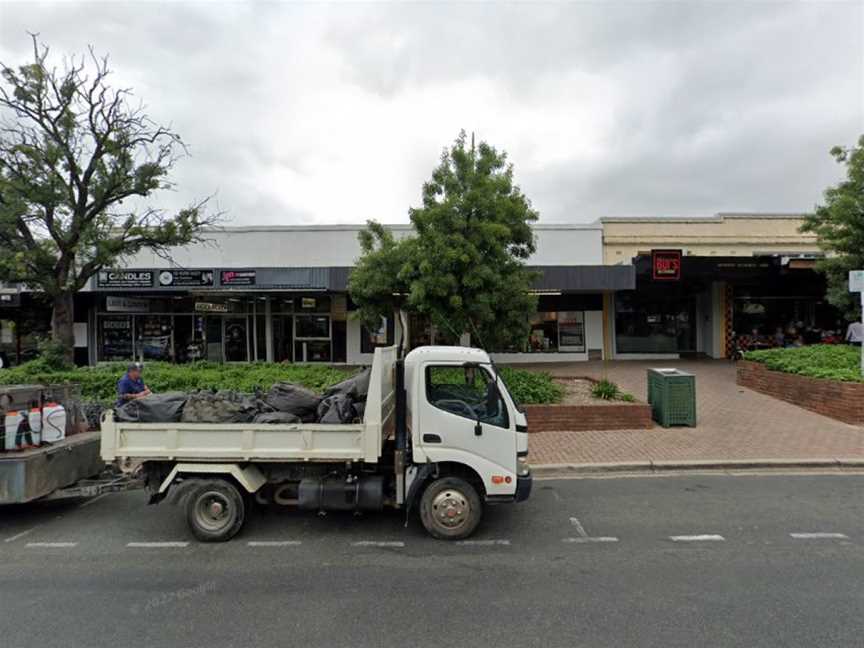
(440, 433)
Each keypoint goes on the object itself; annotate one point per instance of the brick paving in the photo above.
(734, 423)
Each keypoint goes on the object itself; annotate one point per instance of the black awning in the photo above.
(593, 278)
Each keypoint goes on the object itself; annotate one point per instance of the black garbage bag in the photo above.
(336, 409)
(360, 409)
(356, 387)
(285, 397)
(155, 408)
(224, 406)
(276, 417)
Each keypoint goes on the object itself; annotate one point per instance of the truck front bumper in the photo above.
(523, 487)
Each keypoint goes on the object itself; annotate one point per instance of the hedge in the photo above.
(831, 361)
(99, 384)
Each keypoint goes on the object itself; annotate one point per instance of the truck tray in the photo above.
(26, 475)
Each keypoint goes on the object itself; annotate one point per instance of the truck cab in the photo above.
(464, 422)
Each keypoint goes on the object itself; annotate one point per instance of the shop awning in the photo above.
(596, 278)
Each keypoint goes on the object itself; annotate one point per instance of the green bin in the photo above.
(672, 396)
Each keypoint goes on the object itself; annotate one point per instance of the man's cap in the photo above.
(133, 366)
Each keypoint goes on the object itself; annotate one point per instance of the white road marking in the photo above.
(19, 535)
(483, 543)
(273, 543)
(92, 500)
(156, 545)
(52, 544)
(589, 540)
(819, 535)
(580, 530)
(705, 537)
(377, 543)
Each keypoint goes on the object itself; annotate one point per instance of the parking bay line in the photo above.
(18, 536)
(704, 537)
(274, 543)
(378, 543)
(156, 545)
(583, 537)
(51, 545)
(484, 543)
(819, 535)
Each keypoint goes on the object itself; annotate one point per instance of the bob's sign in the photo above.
(666, 265)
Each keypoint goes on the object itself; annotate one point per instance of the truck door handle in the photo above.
(431, 438)
(478, 429)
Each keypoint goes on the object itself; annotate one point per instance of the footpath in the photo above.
(737, 429)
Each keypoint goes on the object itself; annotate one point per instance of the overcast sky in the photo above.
(308, 113)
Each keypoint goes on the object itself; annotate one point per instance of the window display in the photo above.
(154, 337)
(312, 326)
(115, 338)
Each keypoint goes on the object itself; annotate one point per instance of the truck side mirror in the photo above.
(478, 429)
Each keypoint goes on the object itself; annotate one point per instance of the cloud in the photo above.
(308, 113)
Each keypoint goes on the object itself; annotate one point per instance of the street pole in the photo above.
(856, 284)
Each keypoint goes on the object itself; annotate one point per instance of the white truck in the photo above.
(440, 432)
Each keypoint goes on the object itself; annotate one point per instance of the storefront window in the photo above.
(154, 337)
(312, 326)
(571, 331)
(116, 338)
(654, 324)
(236, 339)
(544, 333)
(383, 336)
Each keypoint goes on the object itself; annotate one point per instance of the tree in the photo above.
(76, 161)
(839, 225)
(465, 267)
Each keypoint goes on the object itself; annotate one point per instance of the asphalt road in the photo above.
(583, 563)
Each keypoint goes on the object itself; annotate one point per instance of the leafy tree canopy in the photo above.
(77, 158)
(465, 266)
(839, 225)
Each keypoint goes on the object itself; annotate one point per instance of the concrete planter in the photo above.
(577, 418)
(843, 401)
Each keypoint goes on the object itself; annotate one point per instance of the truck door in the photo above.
(463, 417)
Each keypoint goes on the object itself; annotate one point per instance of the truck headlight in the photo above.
(522, 467)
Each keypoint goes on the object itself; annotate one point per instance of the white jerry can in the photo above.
(35, 420)
(13, 421)
(53, 423)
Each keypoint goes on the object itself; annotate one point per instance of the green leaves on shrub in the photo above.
(831, 361)
(531, 387)
(100, 383)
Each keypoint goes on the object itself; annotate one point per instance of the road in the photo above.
(674, 561)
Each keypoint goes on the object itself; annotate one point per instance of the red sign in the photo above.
(666, 265)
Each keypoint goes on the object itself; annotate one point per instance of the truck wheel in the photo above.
(215, 511)
(450, 508)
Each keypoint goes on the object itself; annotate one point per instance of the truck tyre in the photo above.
(450, 508)
(215, 511)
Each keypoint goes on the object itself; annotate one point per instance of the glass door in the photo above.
(236, 337)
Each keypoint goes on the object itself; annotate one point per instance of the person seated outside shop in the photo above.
(131, 386)
(855, 334)
(779, 337)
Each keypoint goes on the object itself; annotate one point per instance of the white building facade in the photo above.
(279, 294)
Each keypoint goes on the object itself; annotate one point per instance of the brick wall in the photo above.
(576, 418)
(843, 401)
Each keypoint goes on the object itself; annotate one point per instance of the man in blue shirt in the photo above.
(131, 386)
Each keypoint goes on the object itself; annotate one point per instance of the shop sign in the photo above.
(10, 299)
(856, 281)
(124, 279)
(210, 307)
(666, 265)
(237, 278)
(308, 302)
(185, 278)
(126, 305)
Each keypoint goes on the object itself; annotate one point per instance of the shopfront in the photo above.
(697, 305)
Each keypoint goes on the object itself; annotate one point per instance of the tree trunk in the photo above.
(62, 329)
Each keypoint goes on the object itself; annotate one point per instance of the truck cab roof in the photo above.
(447, 354)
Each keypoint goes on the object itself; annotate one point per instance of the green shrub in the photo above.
(100, 383)
(832, 361)
(605, 390)
(531, 387)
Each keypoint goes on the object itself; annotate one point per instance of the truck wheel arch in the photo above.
(249, 477)
(429, 472)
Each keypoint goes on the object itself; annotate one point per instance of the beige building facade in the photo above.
(720, 235)
(704, 284)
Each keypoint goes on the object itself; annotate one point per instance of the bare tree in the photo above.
(77, 158)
